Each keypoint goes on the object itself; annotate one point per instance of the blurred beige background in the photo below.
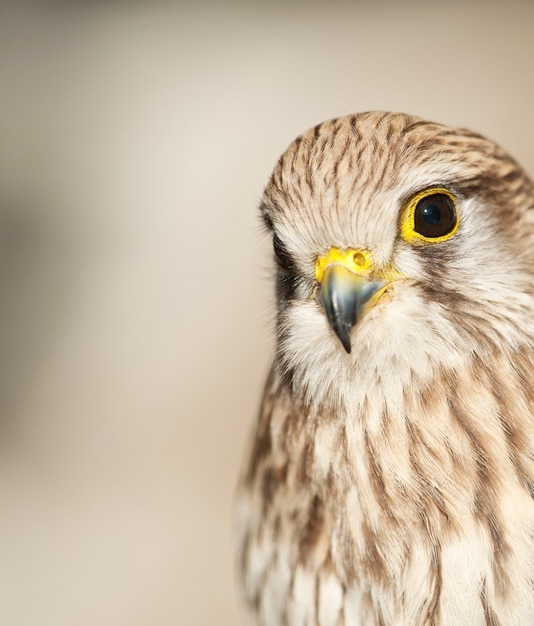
(135, 302)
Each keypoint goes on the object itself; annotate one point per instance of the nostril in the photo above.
(359, 259)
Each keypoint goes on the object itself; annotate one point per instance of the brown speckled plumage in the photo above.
(393, 485)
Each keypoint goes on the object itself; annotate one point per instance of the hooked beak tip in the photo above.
(345, 297)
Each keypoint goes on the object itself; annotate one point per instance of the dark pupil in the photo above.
(431, 214)
(435, 216)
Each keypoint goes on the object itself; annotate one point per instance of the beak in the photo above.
(346, 296)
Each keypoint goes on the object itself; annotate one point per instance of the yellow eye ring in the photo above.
(431, 216)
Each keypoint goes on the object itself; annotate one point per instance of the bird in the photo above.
(390, 475)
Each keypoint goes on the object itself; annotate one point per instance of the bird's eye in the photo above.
(430, 216)
(283, 258)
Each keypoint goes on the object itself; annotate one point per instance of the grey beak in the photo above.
(345, 297)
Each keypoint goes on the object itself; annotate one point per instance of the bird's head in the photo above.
(402, 246)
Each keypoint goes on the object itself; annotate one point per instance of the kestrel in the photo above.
(391, 476)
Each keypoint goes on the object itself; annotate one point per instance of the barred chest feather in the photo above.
(415, 512)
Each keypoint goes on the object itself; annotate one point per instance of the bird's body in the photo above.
(391, 477)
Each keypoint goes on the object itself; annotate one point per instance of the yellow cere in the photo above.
(407, 217)
(358, 261)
